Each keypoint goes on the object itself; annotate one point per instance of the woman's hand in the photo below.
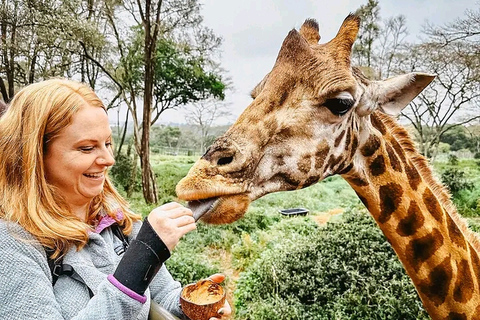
(171, 221)
(225, 311)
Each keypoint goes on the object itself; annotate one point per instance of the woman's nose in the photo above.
(106, 158)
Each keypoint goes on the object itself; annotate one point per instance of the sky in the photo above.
(253, 31)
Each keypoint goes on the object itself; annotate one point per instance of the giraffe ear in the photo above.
(394, 94)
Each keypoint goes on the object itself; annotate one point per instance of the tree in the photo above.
(39, 39)
(452, 98)
(391, 42)
(166, 136)
(459, 138)
(159, 25)
(369, 31)
(462, 29)
(203, 115)
(182, 78)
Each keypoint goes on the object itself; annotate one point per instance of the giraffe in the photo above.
(314, 116)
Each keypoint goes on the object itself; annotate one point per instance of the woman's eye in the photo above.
(108, 144)
(338, 106)
(86, 149)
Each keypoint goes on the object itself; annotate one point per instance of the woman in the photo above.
(55, 197)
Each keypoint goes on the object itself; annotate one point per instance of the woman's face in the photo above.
(77, 159)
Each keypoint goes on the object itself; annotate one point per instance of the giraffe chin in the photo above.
(220, 210)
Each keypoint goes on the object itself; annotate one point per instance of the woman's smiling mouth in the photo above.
(99, 175)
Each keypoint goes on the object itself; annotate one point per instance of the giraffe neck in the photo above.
(417, 217)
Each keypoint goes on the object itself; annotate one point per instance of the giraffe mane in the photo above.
(425, 170)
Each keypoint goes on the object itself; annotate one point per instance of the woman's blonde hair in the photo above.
(36, 115)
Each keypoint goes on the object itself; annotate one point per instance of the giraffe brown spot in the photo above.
(288, 181)
(286, 133)
(334, 161)
(283, 97)
(420, 250)
(413, 176)
(433, 205)
(311, 180)
(339, 138)
(354, 143)
(271, 125)
(354, 147)
(455, 234)
(270, 106)
(436, 287)
(399, 150)
(372, 145)
(305, 163)
(475, 264)
(412, 222)
(378, 124)
(390, 199)
(377, 167)
(349, 137)
(456, 316)
(320, 155)
(358, 181)
(464, 285)
(394, 162)
(346, 169)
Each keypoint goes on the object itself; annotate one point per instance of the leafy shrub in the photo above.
(467, 202)
(455, 179)
(167, 176)
(189, 261)
(188, 267)
(121, 173)
(347, 270)
(251, 246)
(453, 159)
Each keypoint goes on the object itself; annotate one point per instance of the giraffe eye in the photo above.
(338, 106)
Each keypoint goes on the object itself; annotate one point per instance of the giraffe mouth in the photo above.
(201, 207)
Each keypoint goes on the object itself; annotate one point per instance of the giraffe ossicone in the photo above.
(313, 116)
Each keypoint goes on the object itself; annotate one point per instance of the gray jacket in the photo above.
(26, 282)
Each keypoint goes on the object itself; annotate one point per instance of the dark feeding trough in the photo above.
(294, 212)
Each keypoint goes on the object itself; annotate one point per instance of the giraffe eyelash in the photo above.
(339, 106)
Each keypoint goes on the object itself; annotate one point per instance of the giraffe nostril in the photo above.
(225, 160)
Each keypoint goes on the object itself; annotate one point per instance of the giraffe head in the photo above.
(306, 121)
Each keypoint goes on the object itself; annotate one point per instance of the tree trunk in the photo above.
(148, 177)
(3, 90)
(11, 68)
(31, 74)
(124, 134)
(133, 174)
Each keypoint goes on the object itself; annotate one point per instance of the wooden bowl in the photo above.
(202, 300)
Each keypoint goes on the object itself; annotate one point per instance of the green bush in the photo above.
(467, 202)
(121, 173)
(455, 179)
(346, 270)
(167, 176)
(188, 267)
